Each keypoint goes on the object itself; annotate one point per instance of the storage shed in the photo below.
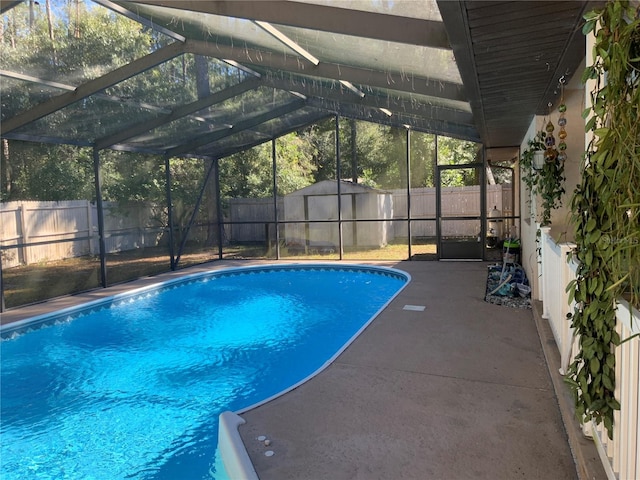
(319, 203)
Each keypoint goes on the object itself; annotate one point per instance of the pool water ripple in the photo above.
(132, 388)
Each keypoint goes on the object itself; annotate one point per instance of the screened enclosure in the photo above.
(140, 137)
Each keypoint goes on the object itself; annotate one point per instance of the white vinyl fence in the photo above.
(621, 455)
(557, 271)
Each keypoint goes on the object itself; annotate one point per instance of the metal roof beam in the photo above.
(25, 137)
(395, 105)
(379, 26)
(93, 86)
(359, 76)
(177, 113)
(398, 120)
(238, 127)
(6, 5)
(321, 115)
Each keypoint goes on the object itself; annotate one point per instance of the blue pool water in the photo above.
(132, 388)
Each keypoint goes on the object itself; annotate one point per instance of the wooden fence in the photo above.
(46, 231)
(456, 202)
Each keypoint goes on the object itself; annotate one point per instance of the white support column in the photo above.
(544, 269)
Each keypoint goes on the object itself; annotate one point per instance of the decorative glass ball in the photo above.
(562, 108)
(550, 141)
(549, 128)
(562, 121)
(562, 157)
(562, 134)
(562, 146)
(550, 155)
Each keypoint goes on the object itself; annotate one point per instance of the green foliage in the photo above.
(47, 172)
(452, 151)
(606, 208)
(548, 182)
(423, 159)
(130, 177)
(528, 173)
(294, 167)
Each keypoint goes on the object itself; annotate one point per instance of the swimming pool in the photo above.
(132, 386)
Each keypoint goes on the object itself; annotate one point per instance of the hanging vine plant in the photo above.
(606, 209)
(546, 181)
(527, 161)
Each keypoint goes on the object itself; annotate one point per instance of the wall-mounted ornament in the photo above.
(550, 154)
(562, 134)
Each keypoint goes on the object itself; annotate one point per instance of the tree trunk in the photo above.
(51, 32)
(31, 15)
(202, 76)
(12, 27)
(76, 30)
(5, 167)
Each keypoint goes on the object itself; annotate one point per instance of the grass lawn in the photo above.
(37, 282)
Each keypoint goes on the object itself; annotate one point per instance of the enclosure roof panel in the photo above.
(175, 76)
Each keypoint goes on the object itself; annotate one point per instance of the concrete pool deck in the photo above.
(462, 389)
(459, 390)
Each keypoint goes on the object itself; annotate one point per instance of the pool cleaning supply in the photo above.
(511, 250)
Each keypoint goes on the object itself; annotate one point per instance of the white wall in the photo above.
(561, 229)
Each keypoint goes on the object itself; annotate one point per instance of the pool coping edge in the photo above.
(231, 448)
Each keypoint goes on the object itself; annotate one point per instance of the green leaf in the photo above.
(611, 360)
(608, 384)
(594, 366)
(588, 27)
(613, 404)
(588, 258)
(591, 15)
(608, 423)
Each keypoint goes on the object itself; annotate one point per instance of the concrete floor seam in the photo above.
(439, 375)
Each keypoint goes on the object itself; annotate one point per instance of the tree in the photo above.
(452, 151)
(46, 172)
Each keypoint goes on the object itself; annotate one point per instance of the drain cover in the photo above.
(414, 308)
